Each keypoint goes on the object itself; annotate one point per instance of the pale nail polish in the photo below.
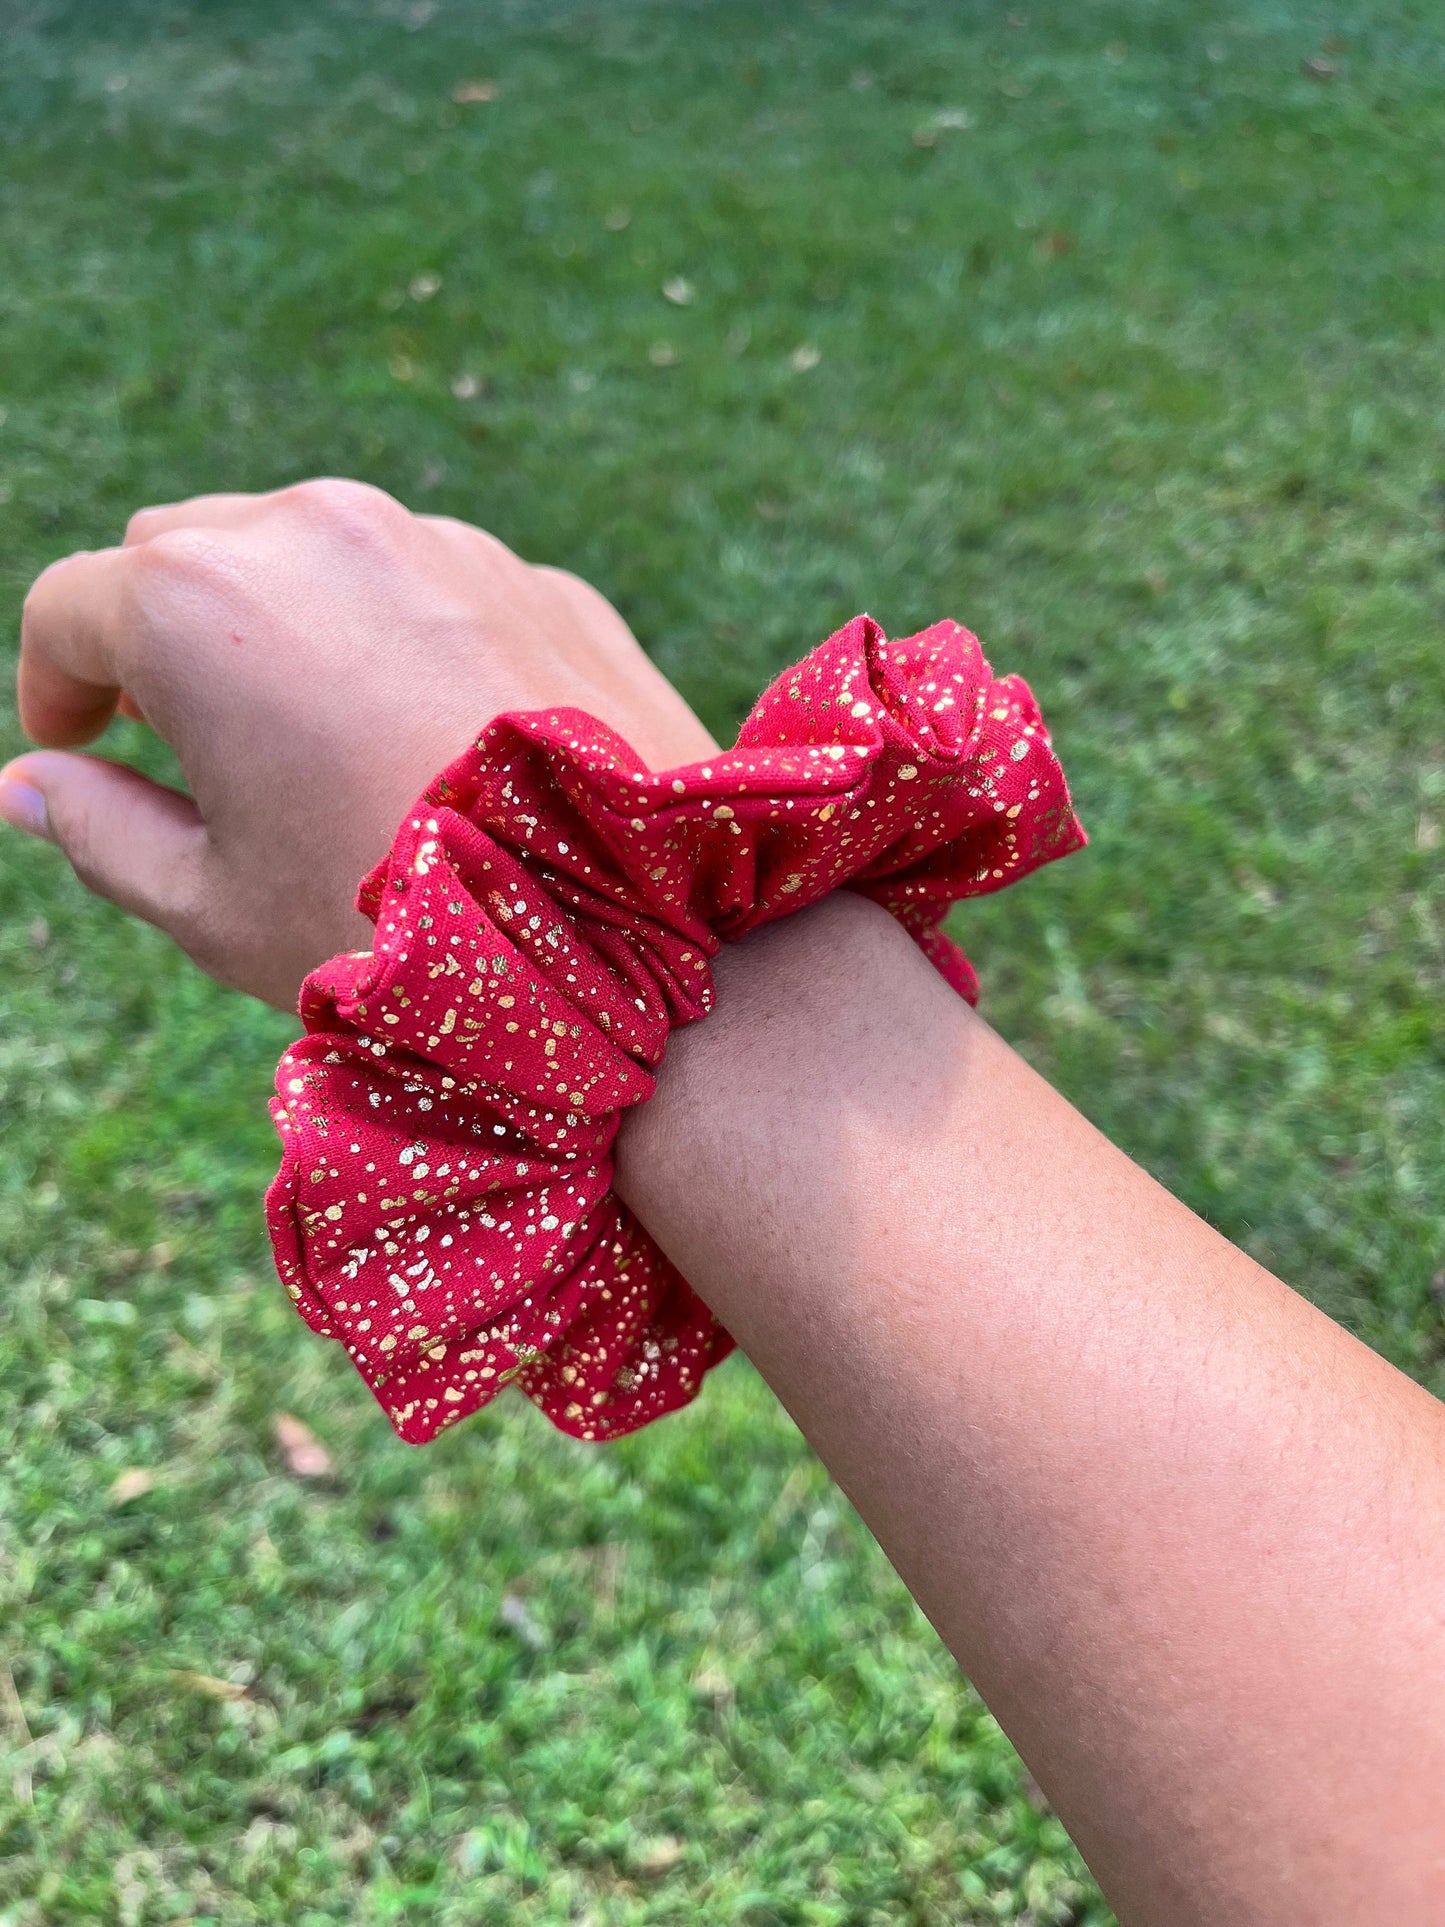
(23, 807)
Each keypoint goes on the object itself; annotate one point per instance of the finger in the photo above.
(130, 840)
(71, 635)
(199, 512)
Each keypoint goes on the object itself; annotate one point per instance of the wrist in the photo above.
(829, 1031)
(548, 912)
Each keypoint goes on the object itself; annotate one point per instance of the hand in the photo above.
(314, 657)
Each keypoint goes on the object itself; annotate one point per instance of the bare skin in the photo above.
(1186, 1535)
(313, 657)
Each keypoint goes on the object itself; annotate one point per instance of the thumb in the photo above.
(128, 839)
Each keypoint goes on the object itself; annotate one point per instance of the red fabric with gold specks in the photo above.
(548, 912)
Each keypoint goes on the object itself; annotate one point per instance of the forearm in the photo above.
(1183, 1532)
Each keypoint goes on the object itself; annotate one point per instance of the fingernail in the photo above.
(23, 807)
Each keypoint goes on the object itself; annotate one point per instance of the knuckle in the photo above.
(30, 605)
(474, 540)
(485, 543)
(484, 554)
(140, 527)
(50, 582)
(588, 605)
(355, 511)
(186, 554)
(579, 596)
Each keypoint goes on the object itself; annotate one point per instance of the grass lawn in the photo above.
(1114, 330)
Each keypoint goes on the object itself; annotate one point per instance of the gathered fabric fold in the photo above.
(547, 914)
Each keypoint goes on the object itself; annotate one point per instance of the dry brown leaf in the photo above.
(133, 1483)
(659, 1855)
(471, 93)
(306, 1457)
(208, 1685)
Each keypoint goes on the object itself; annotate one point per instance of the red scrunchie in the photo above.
(546, 915)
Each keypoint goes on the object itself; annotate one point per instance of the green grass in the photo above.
(1139, 373)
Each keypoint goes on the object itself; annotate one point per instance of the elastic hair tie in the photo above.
(548, 912)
